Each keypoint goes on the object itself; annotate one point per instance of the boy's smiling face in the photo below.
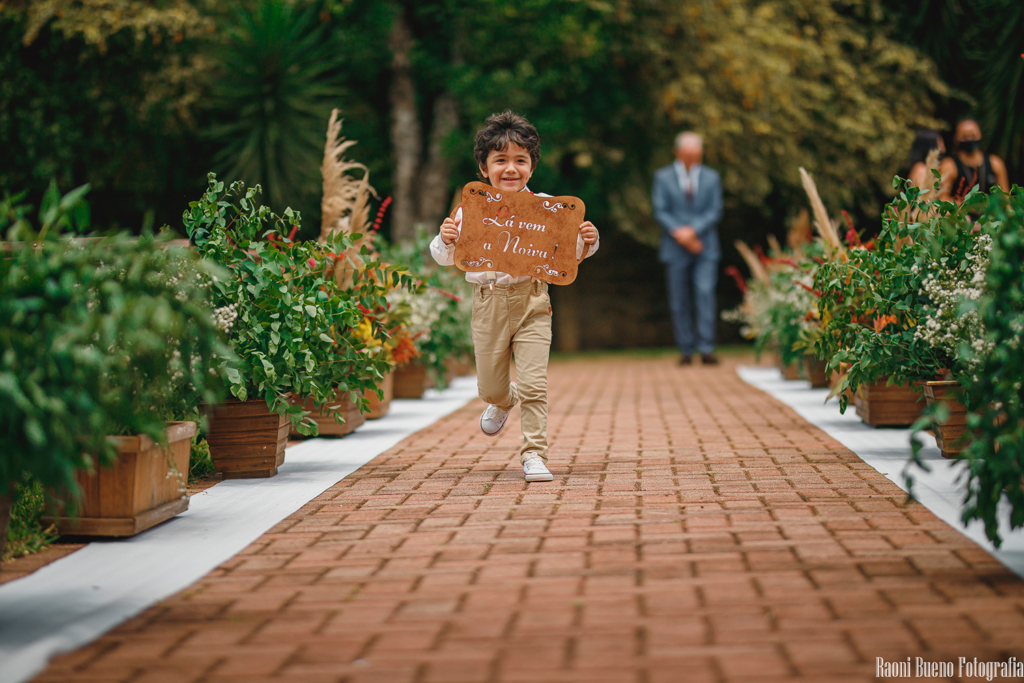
(508, 169)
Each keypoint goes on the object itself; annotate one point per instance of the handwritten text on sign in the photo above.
(519, 233)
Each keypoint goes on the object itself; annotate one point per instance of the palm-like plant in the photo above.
(275, 83)
(977, 46)
(1000, 75)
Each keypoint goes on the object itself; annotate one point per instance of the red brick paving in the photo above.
(697, 530)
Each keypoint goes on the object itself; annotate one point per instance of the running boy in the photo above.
(514, 317)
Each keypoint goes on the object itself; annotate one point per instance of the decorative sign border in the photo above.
(519, 233)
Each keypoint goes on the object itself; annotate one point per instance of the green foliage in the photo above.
(26, 533)
(292, 327)
(993, 388)
(129, 96)
(772, 85)
(101, 93)
(875, 303)
(782, 84)
(200, 464)
(787, 306)
(98, 336)
(271, 94)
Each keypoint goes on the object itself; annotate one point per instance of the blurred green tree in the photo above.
(773, 85)
(978, 47)
(101, 93)
(140, 99)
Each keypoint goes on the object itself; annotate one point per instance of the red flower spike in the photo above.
(761, 255)
(740, 282)
(789, 262)
(849, 221)
(380, 213)
(291, 235)
(447, 294)
(810, 289)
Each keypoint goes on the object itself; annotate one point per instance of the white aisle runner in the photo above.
(80, 597)
(887, 450)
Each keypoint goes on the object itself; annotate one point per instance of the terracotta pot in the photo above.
(379, 407)
(790, 372)
(325, 422)
(411, 380)
(893, 406)
(246, 440)
(949, 434)
(814, 371)
(145, 486)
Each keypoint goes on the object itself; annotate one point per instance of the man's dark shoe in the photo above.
(709, 359)
(686, 360)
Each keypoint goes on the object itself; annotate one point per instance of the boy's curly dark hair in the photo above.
(500, 129)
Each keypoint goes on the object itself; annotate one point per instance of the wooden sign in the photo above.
(519, 233)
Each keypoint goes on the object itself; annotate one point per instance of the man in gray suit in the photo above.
(688, 206)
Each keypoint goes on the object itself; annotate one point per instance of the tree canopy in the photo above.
(141, 99)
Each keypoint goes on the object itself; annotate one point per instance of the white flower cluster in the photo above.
(784, 303)
(947, 323)
(225, 316)
(424, 310)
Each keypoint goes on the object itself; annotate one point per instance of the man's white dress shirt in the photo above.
(687, 179)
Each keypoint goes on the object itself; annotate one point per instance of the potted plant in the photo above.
(885, 309)
(101, 341)
(396, 346)
(438, 319)
(990, 367)
(779, 310)
(293, 327)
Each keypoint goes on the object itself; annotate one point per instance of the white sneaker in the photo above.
(492, 421)
(535, 470)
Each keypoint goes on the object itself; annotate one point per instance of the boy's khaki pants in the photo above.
(515, 320)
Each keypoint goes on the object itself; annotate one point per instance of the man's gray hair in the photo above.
(689, 139)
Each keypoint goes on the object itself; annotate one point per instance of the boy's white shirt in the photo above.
(444, 254)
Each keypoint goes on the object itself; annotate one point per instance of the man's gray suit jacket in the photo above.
(672, 209)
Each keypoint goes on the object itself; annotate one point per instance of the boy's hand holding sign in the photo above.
(519, 233)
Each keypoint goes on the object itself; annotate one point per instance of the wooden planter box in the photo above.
(411, 380)
(814, 371)
(325, 422)
(949, 434)
(894, 406)
(145, 486)
(246, 440)
(379, 407)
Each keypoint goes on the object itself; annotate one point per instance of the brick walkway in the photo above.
(696, 530)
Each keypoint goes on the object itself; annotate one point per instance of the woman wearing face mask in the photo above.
(918, 171)
(969, 166)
